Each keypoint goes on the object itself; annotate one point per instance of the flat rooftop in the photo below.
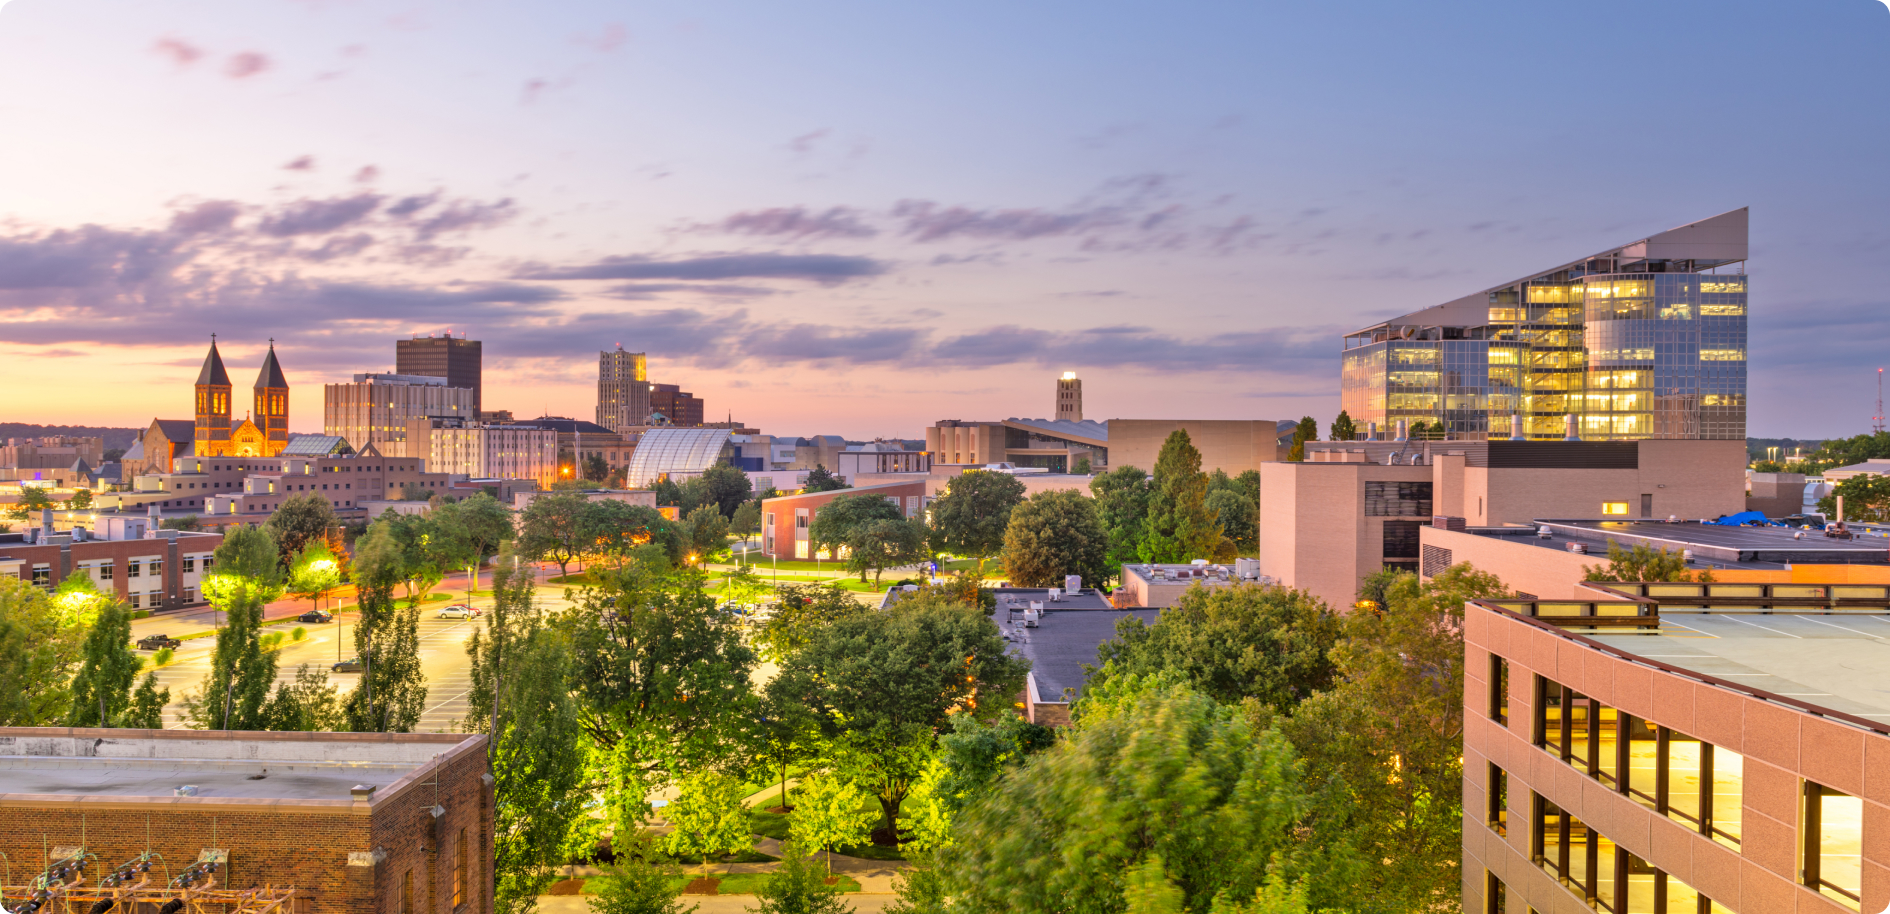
(1839, 661)
(1713, 546)
(1063, 642)
(53, 762)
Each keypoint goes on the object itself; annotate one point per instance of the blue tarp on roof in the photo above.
(1743, 519)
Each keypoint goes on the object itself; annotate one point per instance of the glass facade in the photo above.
(662, 451)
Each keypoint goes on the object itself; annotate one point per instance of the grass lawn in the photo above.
(773, 785)
(775, 825)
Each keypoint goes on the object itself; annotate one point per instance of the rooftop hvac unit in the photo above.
(1056, 594)
(1577, 548)
(1073, 583)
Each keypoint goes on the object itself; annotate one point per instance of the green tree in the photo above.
(392, 691)
(615, 530)
(1238, 516)
(707, 818)
(235, 690)
(81, 499)
(747, 521)
(37, 657)
(1644, 563)
(1389, 734)
(787, 730)
(829, 816)
(314, 572)
(1082, 466)
(188, 523)
(33, 500)
(1156, 785)
(1056, 533)
(888, 681)
(483, 522)
(971, 756)
(1866, 499)
(820, 480)
(798, 887)
(1306, 430)
(102, 689)
(301, 519)
(431, 547)
(1840, 452)
(970, 517)
(551, 529)
(727, 487)
(1122, 506)
(667, 492)
(1343, 428)
(704, 534)
(836, 524)
(594, 468)
(310, 704)
(1181, 527)
(1248, 641)
(885, 544)
(800, 611)
(636, 884)
(147, 705)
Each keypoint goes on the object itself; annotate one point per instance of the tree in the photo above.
(1248, 641)
(248, 576)
(551, 529)
(801, 611)
(33, 500)
(301, 518)
(1389, 734)
(746, 522)
(836, 524)
(311, 704)
(1343, 428)
(704, 534)
(617, 529)
(1644, 563)
(1839, 452)
(314, 572)
(971, 516)
(1306, 430)
(81, 499)
(971, 756)
(820, 480)
(483, 522)
(1239, 519)
(102, 689)
(798, 887)
(727, 487)
(786, 729)
(1181, 527)
(667, 492)
(392, 691)
(885, 544)
(1866, 499)
(1054, 534)
(1156, 786)
(829, 815)
(1082, 466)
(37, 657)
(1122, 508)
(188, 523)
(707, 818)
(888, 681)
(594, 467)
(636, 883)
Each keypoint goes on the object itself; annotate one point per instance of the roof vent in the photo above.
(362, 793)
(187, 790)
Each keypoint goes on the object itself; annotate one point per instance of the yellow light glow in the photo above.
(1069, 376)
(1614, 507)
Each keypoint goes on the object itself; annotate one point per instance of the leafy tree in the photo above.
(1181, 527)
(1343, 428)
(551, 529)
(888, 681)
(431, 547)
(919, 886)
(747, 521)
(727, 487)
(37, 657)
(1122, 506)
(78, 601)
(102, 689)
(1389, 734)
(1156, 785)
(799, 887)
(147, 705)
(707, 819)
(637, 883)
(1839, 452)
(301, 518)
(1372, 587)
(1306, 430)
(594, 467)
(114, 454)
(314, 572)
(829, 815)
(836, 524)
(235, 690)
(616, 530)
(885, 544)
(695, 494)
(801, 611)
(970, 758)
(787, 730)
(521, 698)
(1866, 499)
(482, 522)
(187, 523)
(1239, 519)
(81, 499)
(704, 534)
(1056, 533)
(392, 691)
(1644, 563)
(820, 480)
(667, 492)
(974, 511)
(311, 704)
(1248, 641)
(33, 500)
(1082, 466)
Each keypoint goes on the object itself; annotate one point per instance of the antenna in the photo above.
(1876, 422)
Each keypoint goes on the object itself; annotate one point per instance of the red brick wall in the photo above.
(784, 507)
(120, 553)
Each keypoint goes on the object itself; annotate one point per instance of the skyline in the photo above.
(827, 225)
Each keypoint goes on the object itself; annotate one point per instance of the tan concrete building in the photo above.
(488, 450)
(1232, 445)
(376, 409)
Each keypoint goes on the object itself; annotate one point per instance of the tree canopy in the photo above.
(1181, 527)
(1056, 533)
(1122, 507)
(836, 524)
(970, 517)
(1247, 641)
(300, 519)
(1866, 499)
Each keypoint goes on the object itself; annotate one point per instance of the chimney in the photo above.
(1371, 431)
(1404, 429)
(1515, 427)
(1568, 428)
(45, 524)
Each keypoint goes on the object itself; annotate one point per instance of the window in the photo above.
(134, 599)
(1398, 499)
(107, 571)
(1498, 817)
(800, 549)
(208, 560)
(1833, 834)
(42, 575)
(1495, 894)
(406, 893)
(1499, 690)
(1614, 508)
(136, 569)
(190, 564)
(156, 567)
(1401, 540)
(459, 871)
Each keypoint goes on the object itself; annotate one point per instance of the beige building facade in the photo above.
(489, 450)
(1232, 445)
(377, 408)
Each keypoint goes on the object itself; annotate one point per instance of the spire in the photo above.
(271, 374)
(213, 372)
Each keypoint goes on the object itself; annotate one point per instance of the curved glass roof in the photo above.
(674, 450)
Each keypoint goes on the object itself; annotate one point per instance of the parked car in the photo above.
(316, 615)
(458, 611)
(154, 642)
(347, 666)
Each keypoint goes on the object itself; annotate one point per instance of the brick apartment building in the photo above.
(354, 822)
(785, 520)
(158, 573)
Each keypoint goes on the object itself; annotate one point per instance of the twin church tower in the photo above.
(264, 434)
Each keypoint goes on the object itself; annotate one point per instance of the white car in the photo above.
(458, 611)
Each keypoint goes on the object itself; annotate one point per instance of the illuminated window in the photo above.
(1613, 507)
(1833, 833)
(1498, 814)
(1722, 355)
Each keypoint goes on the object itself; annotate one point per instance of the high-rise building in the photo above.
(1069, 398)
(377, 408)
(456, 359)
(1645, 340)
(483, 450)
(682, 408)
(623, 389)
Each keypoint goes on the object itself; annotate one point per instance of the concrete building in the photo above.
(1230, 445)
(146, 567)
(1678, 747)
(223, 491)
(1046, 444)
(395, 823)
(623, 389)
(1355, 507)
(578, 441)
(682, 408)
(1161, 586)
(1644, 340)
(1777, 494)
(785, 519)
(455, 358)
(1873, 467)
(488, 450)
(377, 409)
(881, 456)
(1069, 398)
(52, 452)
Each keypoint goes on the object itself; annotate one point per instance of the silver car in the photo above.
(458, 611)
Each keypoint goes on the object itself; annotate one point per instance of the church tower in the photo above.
(212, 436)
(272, 403)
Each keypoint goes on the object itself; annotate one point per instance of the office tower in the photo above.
(1069, 398)
(456, 359)
(623, 389)
(680, 407)
(378, 409)
(1645, 340)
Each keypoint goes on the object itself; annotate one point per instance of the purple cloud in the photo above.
(306, 217)
(794, 222)
(245, 65)
(180, 52)
(823, 268)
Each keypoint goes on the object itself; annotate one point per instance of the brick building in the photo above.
(355, 822)
(785, 520)
(164, 571)
(224, 490)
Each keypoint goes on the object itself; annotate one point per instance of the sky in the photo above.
(861, 218)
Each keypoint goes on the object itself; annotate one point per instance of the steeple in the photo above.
(272, 402)
(212, 427)
(213, 372)
(271, 375)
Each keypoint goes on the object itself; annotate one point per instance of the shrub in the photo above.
(162, 657)
(298, 634)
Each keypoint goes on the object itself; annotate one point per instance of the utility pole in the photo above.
(1876, 422)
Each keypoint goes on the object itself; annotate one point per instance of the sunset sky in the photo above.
(859, 218)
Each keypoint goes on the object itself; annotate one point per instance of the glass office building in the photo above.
(1647, 340)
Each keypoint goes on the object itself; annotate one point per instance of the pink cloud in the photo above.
(180, 52)
(246, 64)
(301, 163)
